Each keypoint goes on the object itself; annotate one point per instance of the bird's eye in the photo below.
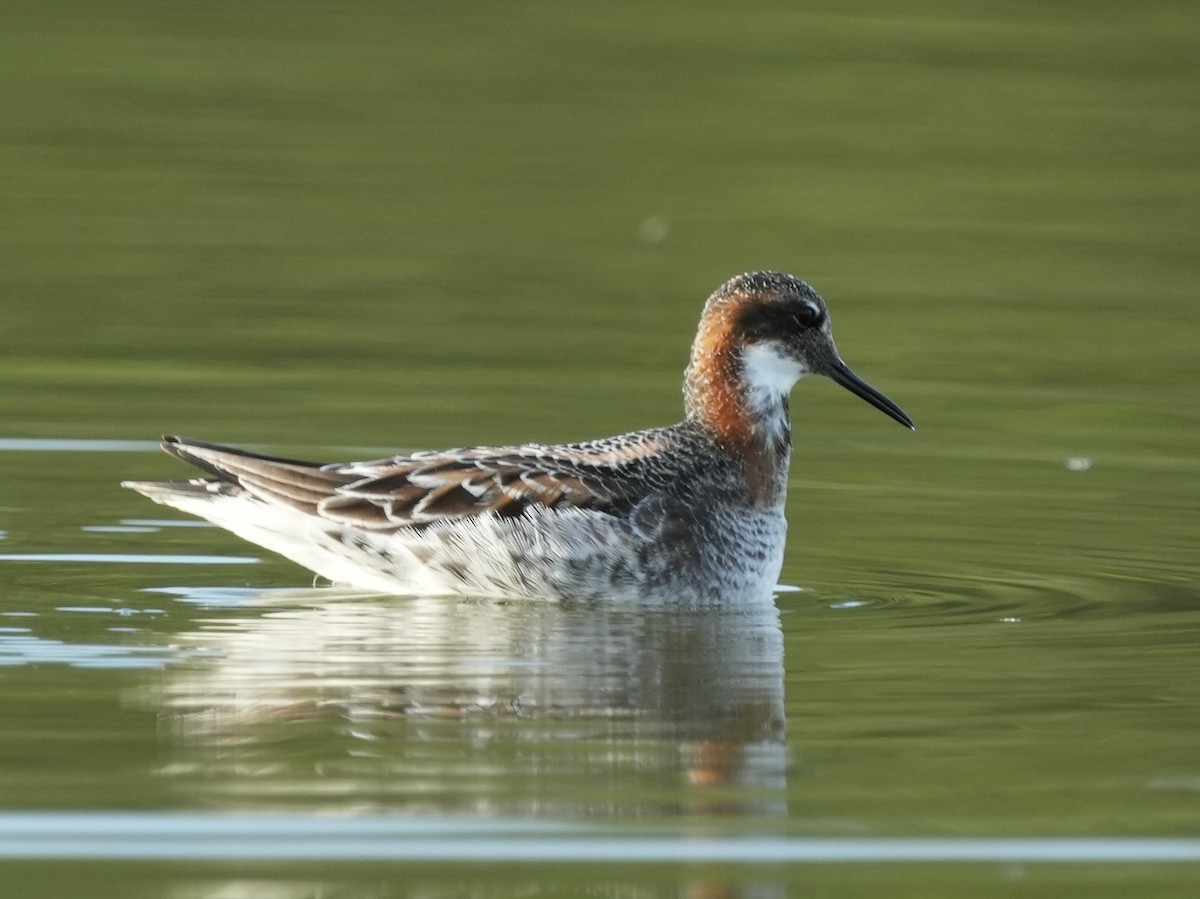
(808, 314)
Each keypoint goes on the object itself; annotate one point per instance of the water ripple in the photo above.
(1009, 599)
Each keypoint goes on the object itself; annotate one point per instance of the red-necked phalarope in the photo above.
(692, 513)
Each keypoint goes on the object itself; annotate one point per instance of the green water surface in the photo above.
(338, 229)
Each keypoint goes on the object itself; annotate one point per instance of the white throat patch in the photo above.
(768, 372)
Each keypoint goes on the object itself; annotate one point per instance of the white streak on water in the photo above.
(26, 649)
(128, 558)
(117, 529)
(48, 445)
(297, 837)
(167, 523)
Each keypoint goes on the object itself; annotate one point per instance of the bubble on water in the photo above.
(1079, 463)
(653, 229)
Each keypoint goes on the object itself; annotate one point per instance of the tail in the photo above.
(257, 497)
(272, 479)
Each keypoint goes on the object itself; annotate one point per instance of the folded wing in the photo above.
(413, 491)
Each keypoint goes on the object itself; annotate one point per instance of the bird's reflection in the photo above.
(444, 705)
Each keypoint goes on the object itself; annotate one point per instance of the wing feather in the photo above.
(415, 491)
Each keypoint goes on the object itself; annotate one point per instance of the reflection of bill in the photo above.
(450, 705)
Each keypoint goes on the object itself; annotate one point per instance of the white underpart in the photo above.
(305, 539)
(543, 553)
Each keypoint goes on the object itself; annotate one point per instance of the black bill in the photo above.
(841, 373)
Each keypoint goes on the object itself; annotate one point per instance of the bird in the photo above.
(690, 514)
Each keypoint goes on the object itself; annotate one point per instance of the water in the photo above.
(1005, 725)
(333, 233)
